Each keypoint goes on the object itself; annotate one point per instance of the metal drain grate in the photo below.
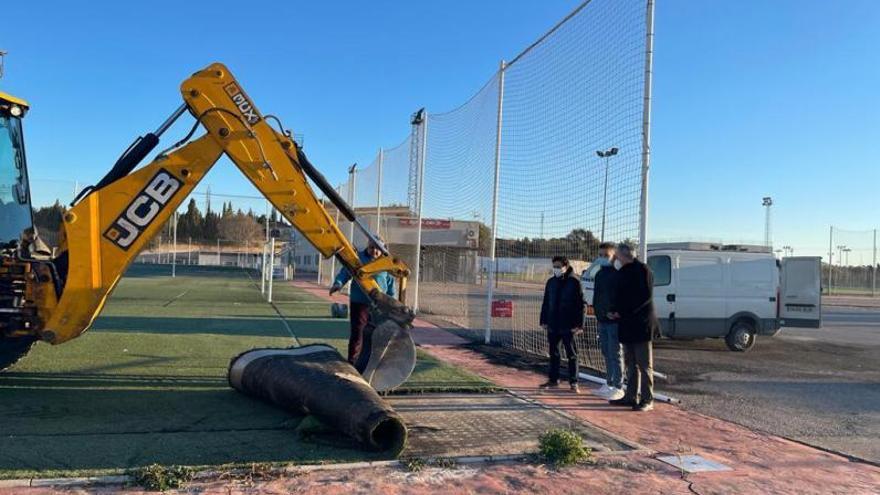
(693, 463)
(486, 424)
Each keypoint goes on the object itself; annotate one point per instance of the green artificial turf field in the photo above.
(147, 384)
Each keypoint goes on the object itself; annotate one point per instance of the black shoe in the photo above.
(644, 406)
(549, 384)
(626, 402)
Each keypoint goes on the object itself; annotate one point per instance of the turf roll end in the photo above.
(315, 379)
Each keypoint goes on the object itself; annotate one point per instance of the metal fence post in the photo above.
(174, 249)
(419, 198)
(487, 338)
(646, 132)
(271, 269)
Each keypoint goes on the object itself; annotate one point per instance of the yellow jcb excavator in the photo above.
(55, 298)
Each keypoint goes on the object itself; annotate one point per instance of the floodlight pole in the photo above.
(607, 154)
(830, 257)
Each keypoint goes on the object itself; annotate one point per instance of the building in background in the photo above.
(449, 247)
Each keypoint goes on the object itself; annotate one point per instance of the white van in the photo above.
(704, 290)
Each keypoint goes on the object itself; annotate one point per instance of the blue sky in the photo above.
(751, 98)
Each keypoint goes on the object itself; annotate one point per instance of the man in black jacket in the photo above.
(604, 283)
(633, 309)
(562, 316)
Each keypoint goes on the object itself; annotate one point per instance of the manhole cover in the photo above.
(486, 424)
(693, 463)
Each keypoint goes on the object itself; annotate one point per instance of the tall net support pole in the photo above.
(174, 248)
(830, 257)
(490, 292)
(263, 271)
(352, 178)
(333, 257)
(379, 192)
(646, 132)
(419, 201)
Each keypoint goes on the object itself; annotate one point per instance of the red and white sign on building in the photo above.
(427, 223)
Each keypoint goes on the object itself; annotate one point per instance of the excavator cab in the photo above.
(16, 221)
(15, 205)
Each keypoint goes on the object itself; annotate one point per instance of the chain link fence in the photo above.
(852, 270)
(488, 192)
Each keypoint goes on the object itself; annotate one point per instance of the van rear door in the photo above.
(801, 292)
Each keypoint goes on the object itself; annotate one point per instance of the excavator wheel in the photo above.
(14, 348)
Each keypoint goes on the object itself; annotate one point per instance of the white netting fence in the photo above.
(853, 268)
(578, 90)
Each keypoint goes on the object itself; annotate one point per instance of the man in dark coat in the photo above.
(562, 316)
(604, 283)
(633, 309)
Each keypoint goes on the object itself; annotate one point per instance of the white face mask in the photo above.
(618, 265)
(557, 272)
(603, 261)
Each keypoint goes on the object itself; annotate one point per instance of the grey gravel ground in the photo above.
(821, 387)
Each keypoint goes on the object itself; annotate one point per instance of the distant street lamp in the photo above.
(767, 202)
(607, 154)
(840, 250)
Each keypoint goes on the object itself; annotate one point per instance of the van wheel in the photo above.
(741, 337)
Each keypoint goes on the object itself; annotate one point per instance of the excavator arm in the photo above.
(113, 221)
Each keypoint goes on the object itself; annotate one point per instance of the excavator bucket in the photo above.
(388, 356)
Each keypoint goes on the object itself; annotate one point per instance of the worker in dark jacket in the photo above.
(633, 309)
(562, 316)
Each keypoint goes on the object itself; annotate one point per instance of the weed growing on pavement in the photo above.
(562, 447)
(416, 464)
(413, 465)
(158, 478)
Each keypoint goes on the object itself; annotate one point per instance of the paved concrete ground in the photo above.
(760, 463)
(818, 386)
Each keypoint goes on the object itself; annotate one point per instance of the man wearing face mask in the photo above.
(562, 316)
(359, 303)
(605, 282)
(633, 309)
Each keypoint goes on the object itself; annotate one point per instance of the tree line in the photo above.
(230, 225)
